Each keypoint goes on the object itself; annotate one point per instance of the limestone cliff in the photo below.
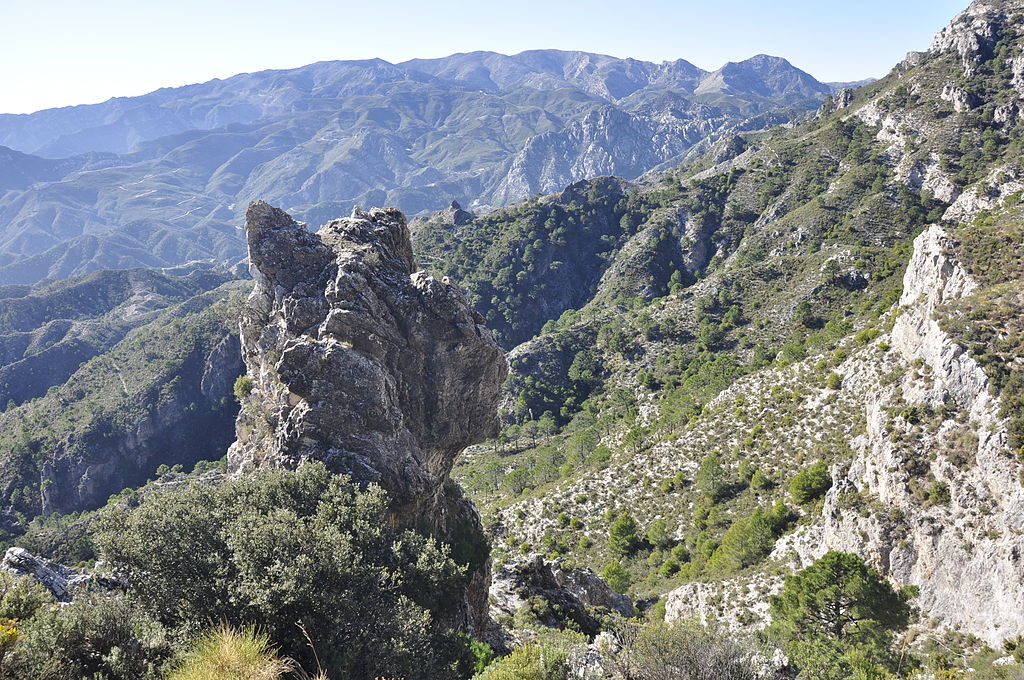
(964, 551)
(930, 493)
(356, 360)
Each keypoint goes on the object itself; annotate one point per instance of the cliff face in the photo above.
(382, 373)
(930, 494)
(963, 550)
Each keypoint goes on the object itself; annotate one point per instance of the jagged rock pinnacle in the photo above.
(380, 372)
(356, 360)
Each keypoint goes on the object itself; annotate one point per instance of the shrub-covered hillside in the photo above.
(729, 301)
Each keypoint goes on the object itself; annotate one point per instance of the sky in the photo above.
(65, 52)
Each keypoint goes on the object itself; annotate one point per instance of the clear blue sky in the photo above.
(62, 52)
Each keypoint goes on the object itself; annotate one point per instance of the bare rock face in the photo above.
(380, 372)
(964, 553)
(974, 32)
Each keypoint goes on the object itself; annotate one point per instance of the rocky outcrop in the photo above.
(555, 596)
(961, 99)
(734, 604)
(61, 581)
(962, 547)
(1000, 183)
(356, 360)
(973, 34)
(56, 578)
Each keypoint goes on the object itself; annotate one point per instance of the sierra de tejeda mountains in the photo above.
(164, 178)
(551, 365)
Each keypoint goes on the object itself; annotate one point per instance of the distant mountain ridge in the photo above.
(160, 179)
(120, 124)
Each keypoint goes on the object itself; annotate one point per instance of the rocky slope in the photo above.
(162, 179)
(963, 551)
(840, 291)
(150, 370)
(381, 372)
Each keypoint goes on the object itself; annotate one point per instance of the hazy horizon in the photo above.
(70, 54)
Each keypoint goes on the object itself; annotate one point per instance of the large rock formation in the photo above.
(380, 372)
(576, 598)
(964, 553)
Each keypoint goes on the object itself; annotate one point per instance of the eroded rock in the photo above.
(380, 372)
(557, 596)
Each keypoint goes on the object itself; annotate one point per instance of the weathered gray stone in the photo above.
(573, 595)
(378, 371)
(56, 578)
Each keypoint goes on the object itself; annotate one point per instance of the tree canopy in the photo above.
(839, 614)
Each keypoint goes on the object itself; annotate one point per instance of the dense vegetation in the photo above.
(306, 557)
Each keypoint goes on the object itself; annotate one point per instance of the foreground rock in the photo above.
(61, 581)
(555, 596)
(356, 360)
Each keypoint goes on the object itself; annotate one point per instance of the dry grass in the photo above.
(228, 653)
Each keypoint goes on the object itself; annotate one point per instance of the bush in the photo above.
(759, 481)
(243, 387)
(681, 651)
(711, 479)
(749, 539)
(810, 483)
(543, 659)
(99, 636)
(658, 534)
(20, 598)
(283, 548)
(834, 381)
(617, 576)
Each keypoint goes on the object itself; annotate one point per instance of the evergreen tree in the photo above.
(839, 615)
(711, 478)
(622, 537)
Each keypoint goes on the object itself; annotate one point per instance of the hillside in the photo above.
(122, 372)
(161, 179)
(777, 363)
(758, 310)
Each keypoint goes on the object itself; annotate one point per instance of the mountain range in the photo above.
(798, 342)
(161, 179)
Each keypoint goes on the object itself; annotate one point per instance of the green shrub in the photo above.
(810, 483)
(834, 381)
(243, 387)
(617, 576)
(658, 534)
(759, 481)
(281, 548)
(20, 598)
(99, 636)
(680, 650)
(543, 659)
(749, 539)
(711, 479)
